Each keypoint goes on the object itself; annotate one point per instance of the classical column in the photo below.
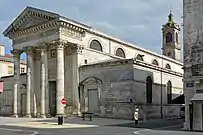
(75, 78)
(60, 79)
(43, 79)
(16, 84)
(28, 51)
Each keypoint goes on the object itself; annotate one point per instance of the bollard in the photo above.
(60, 120)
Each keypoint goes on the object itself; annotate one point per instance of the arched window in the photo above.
(155, 62)
(169, 92)
(177, 37)
(96, 45)
(149, 89)
(140, 57)
(168, 37)
(168, 66)
(120, 53)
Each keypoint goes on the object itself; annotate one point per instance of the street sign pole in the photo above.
(60, 118)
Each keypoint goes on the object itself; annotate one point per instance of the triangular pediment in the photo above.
(30, 17)
(33, 21)
(91, 80)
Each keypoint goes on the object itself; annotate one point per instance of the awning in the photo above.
(198, 97)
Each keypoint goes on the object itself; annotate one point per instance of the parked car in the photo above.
(182, 111)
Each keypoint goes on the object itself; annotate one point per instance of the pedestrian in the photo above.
(136, 116)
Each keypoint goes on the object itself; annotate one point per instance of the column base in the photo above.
(28, 116)
(15, 116)
(48, 115)
(42, 116)
(34, 114)
(59, 115)
(76, 113)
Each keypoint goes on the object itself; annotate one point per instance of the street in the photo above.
(99, 126)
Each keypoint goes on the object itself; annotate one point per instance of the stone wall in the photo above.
(6, 97)
(146, 112)
(6, 110)
(124, 83)
(6, 102)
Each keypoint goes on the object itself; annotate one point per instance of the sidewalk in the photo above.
(77, 122)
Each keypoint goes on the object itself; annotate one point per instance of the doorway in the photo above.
(52, 98)
(23, 104)
(191, 116)
(93, 103)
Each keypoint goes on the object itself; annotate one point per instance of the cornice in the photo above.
(11, 61)
(108, 64)
(34, 29)
(31, 14)
(144, 64)
(65, 28)
(131, 61)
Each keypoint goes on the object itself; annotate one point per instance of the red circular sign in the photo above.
(63, 101)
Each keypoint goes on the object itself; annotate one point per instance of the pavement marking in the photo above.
(32, 132)
(138, 132)
(50, 125)
(35, 133)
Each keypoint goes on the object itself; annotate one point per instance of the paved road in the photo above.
(105, 127)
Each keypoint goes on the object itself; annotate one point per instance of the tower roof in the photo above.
(170, 18)
(171, 22)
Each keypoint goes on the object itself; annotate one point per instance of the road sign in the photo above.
(63, 101)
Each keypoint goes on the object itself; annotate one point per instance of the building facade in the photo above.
(7, 69)
(93, 71)
(193, 54)
(6, 63)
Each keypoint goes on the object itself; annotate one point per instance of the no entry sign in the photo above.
(63, 101)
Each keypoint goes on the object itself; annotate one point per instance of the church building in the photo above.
(95, 72)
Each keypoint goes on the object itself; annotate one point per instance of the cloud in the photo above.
(137, 21)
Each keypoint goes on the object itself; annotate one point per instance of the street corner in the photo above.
(50, 125)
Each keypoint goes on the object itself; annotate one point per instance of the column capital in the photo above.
(42, 47)
(75, 48)
(16, 52)
(59, 44)
(78, 48)
(28, 50)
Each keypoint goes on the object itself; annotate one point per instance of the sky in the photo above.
(135, 21)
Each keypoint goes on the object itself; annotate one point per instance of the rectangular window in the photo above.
(53, 53)
(22, 70)
(10, 70)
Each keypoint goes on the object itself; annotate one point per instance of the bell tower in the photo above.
(171, 39)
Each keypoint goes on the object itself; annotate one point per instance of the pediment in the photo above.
(91, 80)
(33, 21)
(30, 17)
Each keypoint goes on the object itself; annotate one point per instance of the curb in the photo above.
(175, 118)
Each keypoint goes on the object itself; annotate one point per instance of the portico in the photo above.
(45, 38)
(40, 54)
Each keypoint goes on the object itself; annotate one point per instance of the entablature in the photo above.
(64, 28)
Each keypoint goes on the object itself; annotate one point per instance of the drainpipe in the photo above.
(161, 110)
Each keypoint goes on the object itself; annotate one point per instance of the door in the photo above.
(52, 98)
(191, 116)
(93, 100)
(202, 115)
(23, 104)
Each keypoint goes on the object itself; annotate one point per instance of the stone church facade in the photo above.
(93, 71)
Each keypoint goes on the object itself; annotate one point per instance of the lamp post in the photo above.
(161, 110)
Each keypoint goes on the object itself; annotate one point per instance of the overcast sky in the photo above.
(135, 21)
